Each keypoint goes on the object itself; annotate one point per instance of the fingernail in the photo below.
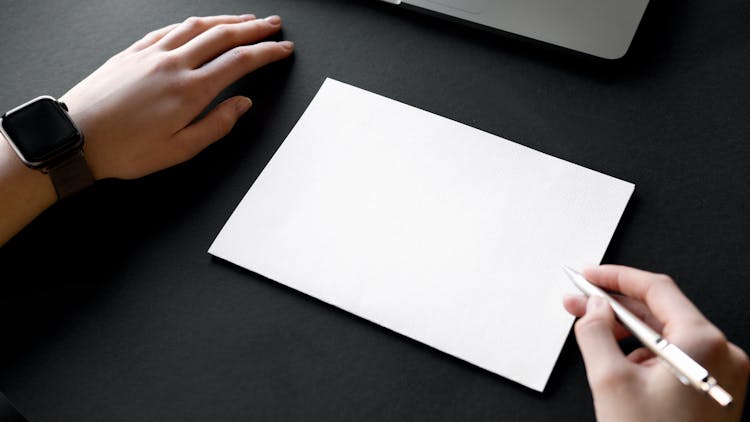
(243, 104)
(274, 20)
(247, 17)
(287, 44)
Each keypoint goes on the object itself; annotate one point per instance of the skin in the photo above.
(161, 83)
(166, 79)
(638, 387)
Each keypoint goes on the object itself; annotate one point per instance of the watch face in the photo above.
(41, 131)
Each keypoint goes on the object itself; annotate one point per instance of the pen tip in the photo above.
(573, 275)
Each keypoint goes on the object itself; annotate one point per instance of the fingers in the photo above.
(151, 38)
(237, 62)
(191, 140)
(224, 37)
(657, 291)
(743, 362)
(194, 26)
(576, 306)
(601, 353)
(640, 355)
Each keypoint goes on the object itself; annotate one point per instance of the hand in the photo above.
(137, 111)
(637, 387)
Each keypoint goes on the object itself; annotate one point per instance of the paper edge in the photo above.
(331, 81)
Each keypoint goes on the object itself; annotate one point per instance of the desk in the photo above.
(148, 327)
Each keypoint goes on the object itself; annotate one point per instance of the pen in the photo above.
(688, 371)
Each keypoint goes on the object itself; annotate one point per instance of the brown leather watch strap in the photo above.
(71, 176)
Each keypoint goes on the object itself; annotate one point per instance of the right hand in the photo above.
(638, 387)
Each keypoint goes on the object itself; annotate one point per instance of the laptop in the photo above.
(601, 28)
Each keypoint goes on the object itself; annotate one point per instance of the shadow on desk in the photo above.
(54, 268)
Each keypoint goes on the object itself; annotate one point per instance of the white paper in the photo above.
(436, 230)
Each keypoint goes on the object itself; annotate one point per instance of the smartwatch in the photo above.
(45, 138)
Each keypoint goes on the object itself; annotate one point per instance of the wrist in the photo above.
(96, 156)
(89, 148)
(24, 192)
(16, 176)
(45, 138)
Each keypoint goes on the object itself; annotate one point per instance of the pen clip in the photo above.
(686, 369)
(683, 379)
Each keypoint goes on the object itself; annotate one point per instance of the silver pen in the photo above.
(688, 371)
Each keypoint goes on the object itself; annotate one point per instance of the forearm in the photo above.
(24, 193)
(138, 110)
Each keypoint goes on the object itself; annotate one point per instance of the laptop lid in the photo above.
(602, 28)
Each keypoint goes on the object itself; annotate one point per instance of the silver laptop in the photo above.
(602, 28)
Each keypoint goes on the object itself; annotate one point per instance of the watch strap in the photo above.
(71, 175)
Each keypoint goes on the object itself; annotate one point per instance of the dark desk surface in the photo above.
(134, 321)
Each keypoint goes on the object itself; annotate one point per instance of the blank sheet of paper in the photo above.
(436, 230)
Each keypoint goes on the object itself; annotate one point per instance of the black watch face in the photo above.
(41, 131)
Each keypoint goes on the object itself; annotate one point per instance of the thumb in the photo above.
(596, 339)
(213, 126)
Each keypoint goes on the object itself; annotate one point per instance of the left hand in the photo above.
(137, 111)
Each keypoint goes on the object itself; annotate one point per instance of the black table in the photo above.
(132, 320)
